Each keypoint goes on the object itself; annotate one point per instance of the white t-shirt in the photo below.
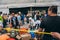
(32, 23)
(38, 22)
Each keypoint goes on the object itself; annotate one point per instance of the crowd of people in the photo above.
(47, 23)
(19, 19)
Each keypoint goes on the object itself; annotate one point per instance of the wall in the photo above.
(25, 1)
(15, 1)
(6, 10)
(58, 11)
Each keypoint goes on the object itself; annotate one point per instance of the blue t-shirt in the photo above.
(32, 34)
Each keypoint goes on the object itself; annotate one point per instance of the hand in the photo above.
(18, 37)
(36, 30)
(55, 35)
(8, 33)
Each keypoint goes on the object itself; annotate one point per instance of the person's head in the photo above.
(16, 15)
(30, 19)
(52, 11)
(13, 14)
(44, 12)
(37, 13)
(19, 13)
(4, 16)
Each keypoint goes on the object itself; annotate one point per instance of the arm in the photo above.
(40, 29)
(42, 26)
(55, 35)
(18, 36)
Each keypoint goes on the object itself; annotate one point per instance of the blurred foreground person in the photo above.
(4, 37)
(3, 33)
(51, 23)
(14, 35)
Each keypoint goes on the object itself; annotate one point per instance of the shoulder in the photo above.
(58, 16)
(44, 19)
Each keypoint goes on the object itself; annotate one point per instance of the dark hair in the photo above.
(37, 12)
(53, 9)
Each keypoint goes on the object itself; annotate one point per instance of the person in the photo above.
(5, 20)
(2, 31)
(4, 37)
(25, 20)
(51, 23)
(32, 24)
(22, 18)
(1, 19)
(44, 14)
(37, 24)
(14, 21)
(15, 35)
(27, 16)
(18, 18)
(9, 18)
(37, 16)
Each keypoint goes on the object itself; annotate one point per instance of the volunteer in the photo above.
(51, 23)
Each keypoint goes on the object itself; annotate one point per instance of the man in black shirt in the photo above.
(51, 23)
